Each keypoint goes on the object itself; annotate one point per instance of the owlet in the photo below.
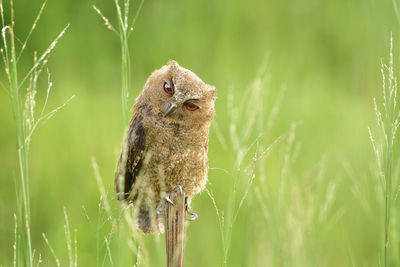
(166, 143)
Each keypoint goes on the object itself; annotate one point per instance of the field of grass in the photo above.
(294, 178)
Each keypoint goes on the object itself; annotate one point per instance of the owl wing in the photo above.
(128, 167)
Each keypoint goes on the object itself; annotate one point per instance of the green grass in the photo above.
(387, 119)
(25, 122)
(293, 180)
(10, 62)
(125, 28)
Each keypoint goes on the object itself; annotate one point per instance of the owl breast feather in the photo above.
(158, 158)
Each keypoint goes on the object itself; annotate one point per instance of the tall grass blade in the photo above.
(51, 250)
(388, 121)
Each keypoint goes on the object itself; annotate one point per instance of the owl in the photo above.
(166, 144)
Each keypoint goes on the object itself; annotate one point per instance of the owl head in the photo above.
(178, 95)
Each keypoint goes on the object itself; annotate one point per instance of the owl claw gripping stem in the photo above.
(179, 189)
(166, 198)
(189, 210)
(161, 204)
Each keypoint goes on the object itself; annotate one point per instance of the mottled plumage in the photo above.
(166, 143)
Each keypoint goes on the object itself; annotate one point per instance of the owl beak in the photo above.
(170, 109)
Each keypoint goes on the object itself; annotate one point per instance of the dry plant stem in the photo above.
(175, 229)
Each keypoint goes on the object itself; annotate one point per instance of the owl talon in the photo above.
(189, 210)
(166, 198)
(161, 206)
(194, 215)
(179, 189)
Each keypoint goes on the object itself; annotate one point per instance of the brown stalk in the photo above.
(175, 229)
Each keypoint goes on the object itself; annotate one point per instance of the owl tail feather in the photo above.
(149, 222)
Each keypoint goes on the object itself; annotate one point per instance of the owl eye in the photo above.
(190, 106)
(168, 89)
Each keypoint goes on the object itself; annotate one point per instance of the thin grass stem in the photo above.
(51, 250)
(20, 133)
(32, 29)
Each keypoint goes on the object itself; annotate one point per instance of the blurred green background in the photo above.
(327, 56)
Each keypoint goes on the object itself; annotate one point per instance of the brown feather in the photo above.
(128, 167)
